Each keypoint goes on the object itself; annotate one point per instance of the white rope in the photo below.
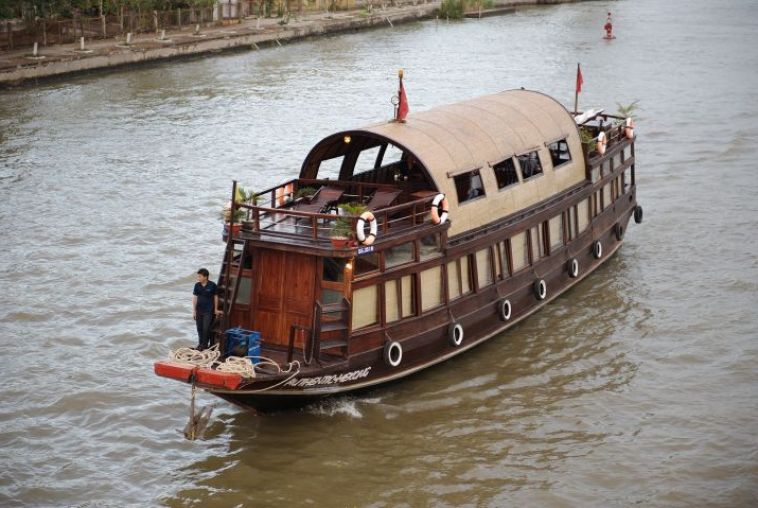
(238, 365)
(194, 357)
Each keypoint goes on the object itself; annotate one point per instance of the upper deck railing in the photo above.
(278, 215)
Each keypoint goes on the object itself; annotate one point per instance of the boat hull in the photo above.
(478, 314)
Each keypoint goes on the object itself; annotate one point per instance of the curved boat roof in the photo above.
(477, 134)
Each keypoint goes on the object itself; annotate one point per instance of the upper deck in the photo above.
(493, 157)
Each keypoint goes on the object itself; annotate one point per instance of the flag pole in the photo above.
(576, 89)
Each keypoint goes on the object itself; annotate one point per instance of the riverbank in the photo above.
(20, 67)
(23, 67)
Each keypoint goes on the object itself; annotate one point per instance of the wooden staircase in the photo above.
(228, 284)
(330, 327)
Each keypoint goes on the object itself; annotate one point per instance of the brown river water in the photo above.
(637, 387)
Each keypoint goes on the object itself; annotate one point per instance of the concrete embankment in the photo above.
(21, 67)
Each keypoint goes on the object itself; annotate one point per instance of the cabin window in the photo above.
(571, 222)
(555, 226)
(583, 215)
(607, 198)
(469, 186)
(366, 263)
(484, 268)
(330, 168)
(519, 251)
(497, 261)
(407, 298)
(617, 160)
(398, 255)
(453, 280)
(458, 277)
(596, 204)
(330, 295)
(505, 270)
(530, 164)
(365, 309)
(559, 152)
(391, 155)
(243, 293)
(505, 173)
(392, 300)
(429, 247)
(431, 288)
(334, 269)
(366, 160)
(538, 242)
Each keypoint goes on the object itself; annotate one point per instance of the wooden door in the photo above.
(286, 285)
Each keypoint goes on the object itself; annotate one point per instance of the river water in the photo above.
(638, 387)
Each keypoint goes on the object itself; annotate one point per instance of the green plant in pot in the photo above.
(305, 192)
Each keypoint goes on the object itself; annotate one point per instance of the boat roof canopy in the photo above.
(456, 142)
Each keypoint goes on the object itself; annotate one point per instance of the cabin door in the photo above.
(286, 283)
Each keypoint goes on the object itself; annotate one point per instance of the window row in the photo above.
(469, 185)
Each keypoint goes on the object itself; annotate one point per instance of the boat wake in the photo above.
(348, 406)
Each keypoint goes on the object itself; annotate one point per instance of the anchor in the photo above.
(198, 421)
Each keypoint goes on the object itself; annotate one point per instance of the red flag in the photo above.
(402, 106)
(579, 79)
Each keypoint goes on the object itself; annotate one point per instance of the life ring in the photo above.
(638, 214)
(601, 143)
(504, 309)
(439, 209)
(573, 268)
(597, 249)
(359, 233)
(393, 353)
(540, 289)
(618, 229)
(629, 128)
(283, 193)
(455, 334)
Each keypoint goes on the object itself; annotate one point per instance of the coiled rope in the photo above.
(242, 365)
(194, 357)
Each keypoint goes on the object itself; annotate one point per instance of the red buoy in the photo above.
(608, 27)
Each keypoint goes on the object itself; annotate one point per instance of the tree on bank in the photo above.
(30, 9)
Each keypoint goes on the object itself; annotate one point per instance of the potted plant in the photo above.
(625, 111)
(305, 192)
(232, 222)
(341, 232)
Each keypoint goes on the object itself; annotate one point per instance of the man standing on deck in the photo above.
(204, 307)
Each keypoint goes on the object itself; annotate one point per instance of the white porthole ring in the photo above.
(439, 209)
(504, 309)
(540, 289)
(597, 249)
(455, 334)
(573, 268)
(393, 353)
(372, 229)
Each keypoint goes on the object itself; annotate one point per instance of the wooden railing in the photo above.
(285, 221)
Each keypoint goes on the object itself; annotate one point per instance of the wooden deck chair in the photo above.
(323, 198)
(383, 198)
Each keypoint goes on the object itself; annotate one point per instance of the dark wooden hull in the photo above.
(425, 339)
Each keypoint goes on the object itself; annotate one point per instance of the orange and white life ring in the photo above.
(284, 193)
(360, 234)
(601, 143)
(439, 209)
(629, 128)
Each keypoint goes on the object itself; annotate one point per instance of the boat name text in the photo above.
(329, 380)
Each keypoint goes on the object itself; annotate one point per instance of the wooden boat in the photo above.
(475, 215)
